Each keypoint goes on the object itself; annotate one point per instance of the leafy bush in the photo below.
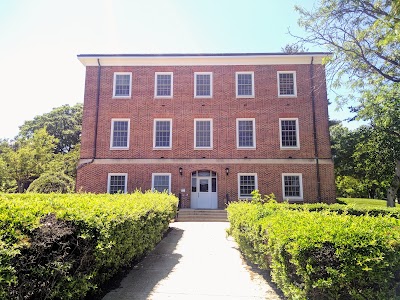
(256, 197)
(52, 183)
(64, 246)
(320, 254)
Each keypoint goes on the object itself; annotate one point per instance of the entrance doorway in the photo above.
(204, 190)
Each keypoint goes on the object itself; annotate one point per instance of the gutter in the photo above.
(316, 152)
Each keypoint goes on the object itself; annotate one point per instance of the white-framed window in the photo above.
(119, 134)
(203, 84)
(117, 183)
(246, 133)
(162, 138)
(122, 86)
(287, 84)
(164, 85)
(244, 84)
(161, 182)
(292, 186)
(289, 133)
(247, 182)
(203, 133)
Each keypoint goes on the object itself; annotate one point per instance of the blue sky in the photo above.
(39, 41)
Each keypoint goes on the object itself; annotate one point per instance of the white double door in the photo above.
(204, 191)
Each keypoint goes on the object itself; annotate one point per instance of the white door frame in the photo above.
(203, 197)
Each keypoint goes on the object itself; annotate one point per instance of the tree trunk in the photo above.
(392, 191)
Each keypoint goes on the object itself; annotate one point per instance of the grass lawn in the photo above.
(362, 202)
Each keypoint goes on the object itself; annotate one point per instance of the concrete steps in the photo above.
(202, 215)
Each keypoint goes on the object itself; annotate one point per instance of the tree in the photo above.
(364, 38)
(293, 48)
(52, 183)
(30, 158)
(64, 123)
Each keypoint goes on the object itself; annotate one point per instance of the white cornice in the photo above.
(198, 60)
(218, 161)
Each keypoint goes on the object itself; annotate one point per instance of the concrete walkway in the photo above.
(195, 261)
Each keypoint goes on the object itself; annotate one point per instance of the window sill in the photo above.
(117, 148)
(246, 148)
(289, 148)
(160, 148)
(163, 97)
(287, 96)
(199, 148)
(121, 97)
(293, 199)
(245, 97)
(202, 97)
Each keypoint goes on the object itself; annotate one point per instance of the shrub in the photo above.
(65, 246)
(52, 183)
(320, 254)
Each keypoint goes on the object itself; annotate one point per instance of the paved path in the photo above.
(194, 261)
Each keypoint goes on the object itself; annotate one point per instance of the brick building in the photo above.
(210, 127)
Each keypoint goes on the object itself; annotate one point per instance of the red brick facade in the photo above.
(267, 160)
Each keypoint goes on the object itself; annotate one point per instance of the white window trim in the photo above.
(154, 135)
(130, 85)
(252, 85)
(112, 134)
(297, 134)
(237, 133)
(155, 85)
(294, 81)
(211, 134)
(161, 174)
(301, 186)
(195, 84)
(117, 174)
(238, 182)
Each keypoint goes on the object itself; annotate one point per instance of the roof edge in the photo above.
(207, 54)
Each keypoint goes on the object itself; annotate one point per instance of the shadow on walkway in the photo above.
(266, 274)
(144, 276)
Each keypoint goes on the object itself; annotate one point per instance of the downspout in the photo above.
(96, 119)
(97, 110)
(315, 129)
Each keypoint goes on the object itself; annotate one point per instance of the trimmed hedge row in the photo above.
(64, 246)
(320, 254)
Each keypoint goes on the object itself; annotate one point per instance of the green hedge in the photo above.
(320, 254)
(64, 246)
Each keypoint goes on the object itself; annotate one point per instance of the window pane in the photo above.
(203, 133)
(203, 173)
(286, 84)
(194, 183)
(120, 134)
(244, 82)
(203, 85)
(203, 185)
(214, 185)
(245, 129)
(164, 85)
(117, 184)
(161, 183)
(292, 186)
(122, 85)
(163, 133)
(288, 133)
(247, 185)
